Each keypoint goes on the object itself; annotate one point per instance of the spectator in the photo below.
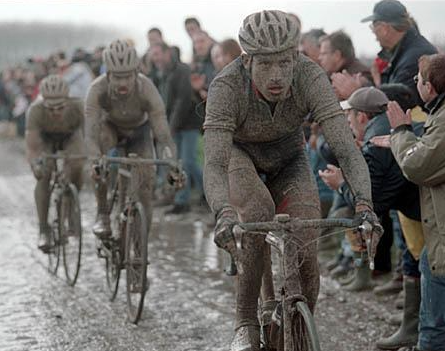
(203, 70)
(225, 52)
(310, 44)
(175, 89)
(77, 74)
(422, 161)
(337, 55)
(401, 43)
(154, 36)
(192, 26)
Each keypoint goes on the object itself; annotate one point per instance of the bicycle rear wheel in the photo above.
(305, 336)
(71, 233)
(54, 237)
(136, 261)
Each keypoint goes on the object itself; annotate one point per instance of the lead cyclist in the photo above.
(255, 163)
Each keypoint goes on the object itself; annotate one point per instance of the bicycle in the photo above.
(297, 326)
(64, 218)
(127, 246)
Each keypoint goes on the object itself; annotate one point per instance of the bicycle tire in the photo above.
(70, 229)
(136, 261)
(53, 220)
(113, 259)
(304, 329)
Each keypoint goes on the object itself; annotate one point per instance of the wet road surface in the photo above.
(190, 304)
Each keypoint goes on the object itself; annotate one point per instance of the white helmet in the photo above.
(269, 32)
(119, 56)
(53, 87)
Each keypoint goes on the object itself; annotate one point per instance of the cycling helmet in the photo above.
(269, 32)
(119, 56)
(53, 87)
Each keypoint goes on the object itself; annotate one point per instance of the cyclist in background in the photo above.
(124, 108)
(54, 122)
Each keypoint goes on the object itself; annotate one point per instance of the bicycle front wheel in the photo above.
(136, 261)
(54, 235)
(304, 332)
(71, 233)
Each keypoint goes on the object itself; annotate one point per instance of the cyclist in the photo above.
(124, 108)
(255, 163)
(54, 122)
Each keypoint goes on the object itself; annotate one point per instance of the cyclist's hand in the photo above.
(177, 178)
(37, 168)
(226, 220)
(96, 169)
(370, 238)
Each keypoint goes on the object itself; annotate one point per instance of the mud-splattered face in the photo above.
(55, 107)
(122, 83)
(272, 74)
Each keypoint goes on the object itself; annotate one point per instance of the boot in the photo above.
(102, 228)
(362, 279)
(396, 319)
(400, 301)
(407, 334)
(344, 267)
(394, 286)
(247, 338)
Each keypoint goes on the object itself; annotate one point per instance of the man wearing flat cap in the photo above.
(401, 42)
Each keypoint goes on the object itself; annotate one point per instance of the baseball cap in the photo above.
(389, 11)
(368, 99)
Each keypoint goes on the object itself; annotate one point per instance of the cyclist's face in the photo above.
(55, 108)
(122, 83)
(272, 74)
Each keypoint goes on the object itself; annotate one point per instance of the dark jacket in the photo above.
(390, 189)
(403, 66)
(176, 91)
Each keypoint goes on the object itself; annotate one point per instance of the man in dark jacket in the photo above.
(402, 44)
(390, 190)
(173, 83)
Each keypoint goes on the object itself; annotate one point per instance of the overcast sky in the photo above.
(220, 18)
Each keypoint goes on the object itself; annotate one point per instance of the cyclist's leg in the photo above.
(254, 203)
(42, 195)
(73, 167)
(295, 193)
(143, 147)
(107, 139)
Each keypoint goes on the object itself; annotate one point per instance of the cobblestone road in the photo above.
(189, 305)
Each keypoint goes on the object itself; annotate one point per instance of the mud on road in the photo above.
(190, 304)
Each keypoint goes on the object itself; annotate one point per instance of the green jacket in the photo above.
(422, 160)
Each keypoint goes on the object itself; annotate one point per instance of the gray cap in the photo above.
(389, 11)
(368, 99)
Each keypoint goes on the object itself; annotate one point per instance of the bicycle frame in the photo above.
(280, 234)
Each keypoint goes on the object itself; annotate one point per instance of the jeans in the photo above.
(186, 143)
(432, 308)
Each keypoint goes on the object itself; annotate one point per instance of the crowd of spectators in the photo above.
(364, 92)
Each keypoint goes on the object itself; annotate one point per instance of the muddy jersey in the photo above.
(38, 118)
(272, 139)
(142, 105)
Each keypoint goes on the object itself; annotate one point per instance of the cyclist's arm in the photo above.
(155, 108)
(219, 126)
(92, 116)
(34, 142)
(325, 109)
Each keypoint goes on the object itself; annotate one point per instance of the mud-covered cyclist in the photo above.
(255, 163)
(54, 122)
(124, 108)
